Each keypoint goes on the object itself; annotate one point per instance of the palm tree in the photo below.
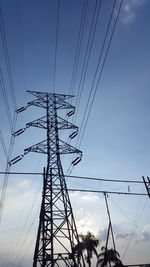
(108, 257)
(88, 243)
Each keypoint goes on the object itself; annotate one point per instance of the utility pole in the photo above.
(57, 233)
(110, 229)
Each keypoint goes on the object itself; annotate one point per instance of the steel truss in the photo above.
(57, 234)
(147, 185)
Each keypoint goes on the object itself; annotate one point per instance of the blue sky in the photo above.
(116, 140)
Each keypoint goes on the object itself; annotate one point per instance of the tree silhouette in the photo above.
(89, 244)
(109, 257)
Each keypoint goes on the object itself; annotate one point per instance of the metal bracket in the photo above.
(147, 185)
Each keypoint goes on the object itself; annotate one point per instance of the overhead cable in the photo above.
(107, 192)
(9, 72)
(3, 145)
(56, 45)
(19, 242)
(91, 36)
(97, 68)
(87, 112)
(6, 103)
(78, 177)
(78, 47)
(4, 42)
(102, 68)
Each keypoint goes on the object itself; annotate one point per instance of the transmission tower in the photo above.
(57, 234)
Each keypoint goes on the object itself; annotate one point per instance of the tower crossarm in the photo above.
(41, 147)
(45, 100)
(64, 124)
(42, 103)
(66, 148)
(44, 94)
(147, 184)
(42, 123)
(61, 104)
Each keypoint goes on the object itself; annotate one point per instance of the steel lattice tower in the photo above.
(57, 234)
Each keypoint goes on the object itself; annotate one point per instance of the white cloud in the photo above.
(84, 196)
(145, 236)
(24, 183)
(130, 8)
(89, 197)
(74, 194)
(119, 234)
(85, 225)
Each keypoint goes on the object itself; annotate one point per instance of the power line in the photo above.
(85, 119)
(91, 36)
(22, 173)
(97, 67)
(3, 89)
(107, 192)
(19, 242)
(102, 68)
(20, 226)
(4, 42)
(122, 211)
(78, 51)
(137, 219)
(56, 45)
(78, 47)
(78, 177)
(25, 239)
(104, 180)
(3, 145)
(13, 124)
(5, 181)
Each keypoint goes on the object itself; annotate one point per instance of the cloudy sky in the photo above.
(115, 139)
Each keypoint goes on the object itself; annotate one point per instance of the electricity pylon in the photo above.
(57, 233)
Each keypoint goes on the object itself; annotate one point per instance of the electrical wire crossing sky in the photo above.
(97, 51)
